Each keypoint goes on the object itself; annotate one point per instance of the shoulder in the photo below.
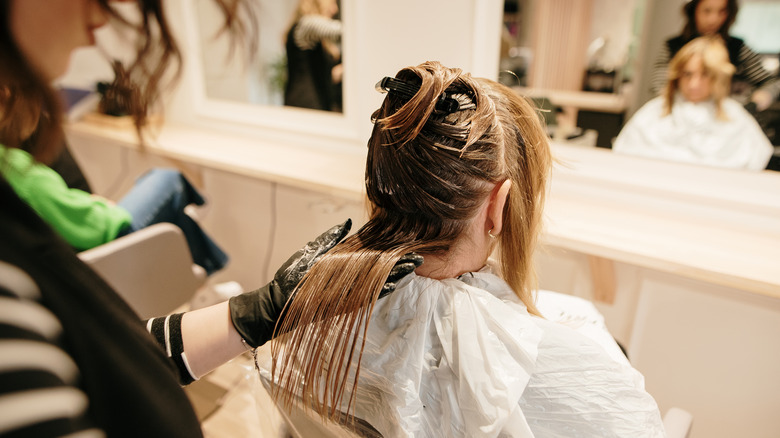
(32, 355)
(734, 108)
(728, 102)
(316, 22)
(740, 118)
(19, 165)
(485, 280)
(656, 102)
(676, 40)
(651, 108)
(17, 158)
(482, 282)
(311, 29)
(735, 42)
(675, 43)
(735, 47)
(471, 293)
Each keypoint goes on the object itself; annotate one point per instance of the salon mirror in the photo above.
(313, 55)
(589, 62)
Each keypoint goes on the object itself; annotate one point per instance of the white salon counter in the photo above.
(713, 225)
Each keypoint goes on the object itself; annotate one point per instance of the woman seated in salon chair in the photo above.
(694, 121)
(457, 168)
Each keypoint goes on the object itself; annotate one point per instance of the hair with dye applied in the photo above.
(427, 175)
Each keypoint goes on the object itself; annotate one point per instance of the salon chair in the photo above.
(302, 423)
(152, 269)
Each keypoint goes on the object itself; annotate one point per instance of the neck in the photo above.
(461, 258)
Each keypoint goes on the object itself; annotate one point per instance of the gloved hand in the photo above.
(403, 267)
(254, 314)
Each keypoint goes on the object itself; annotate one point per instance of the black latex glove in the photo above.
(254, 314)
(403, 267)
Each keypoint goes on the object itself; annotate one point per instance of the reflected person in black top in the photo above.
(313, 57)
(751, 83)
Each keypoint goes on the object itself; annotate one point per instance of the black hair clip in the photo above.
(445, 104)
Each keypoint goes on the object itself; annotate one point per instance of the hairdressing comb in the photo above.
(445, 104)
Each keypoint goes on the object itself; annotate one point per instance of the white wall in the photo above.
(89, 65)
(663, 20)
(613, 20)
(228, 74)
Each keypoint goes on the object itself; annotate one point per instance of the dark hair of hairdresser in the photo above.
(427, 174)
(30, 111)
(689, 11)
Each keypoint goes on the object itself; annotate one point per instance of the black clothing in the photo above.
(70, 171)
(131, 385)
(749, 75)
(309, 76)
(733, 45)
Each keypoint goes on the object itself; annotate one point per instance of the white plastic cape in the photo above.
(693, 134)
(463, 358)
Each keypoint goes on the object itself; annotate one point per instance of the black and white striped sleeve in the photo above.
(166, 331)
(312, 29)
(39, 395)
(660, 71)
(753, 72)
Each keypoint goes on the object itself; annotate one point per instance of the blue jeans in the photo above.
(160, 195)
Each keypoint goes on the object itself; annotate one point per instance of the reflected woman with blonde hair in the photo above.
(694, 120)
(457, 170)
(700, 71)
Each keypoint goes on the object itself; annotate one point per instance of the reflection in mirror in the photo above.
(576, 59)
(298, 61)
(582, 59)
(693, 120)
(551, 44)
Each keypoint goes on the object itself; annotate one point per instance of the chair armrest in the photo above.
(677, 423)
(152, 269)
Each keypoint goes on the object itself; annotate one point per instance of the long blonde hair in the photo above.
(427, 174)
(716, 64)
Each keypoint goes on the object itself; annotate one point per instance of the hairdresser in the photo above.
(76, 360)
(710, 17)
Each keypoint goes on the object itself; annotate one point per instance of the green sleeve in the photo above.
(83, 220)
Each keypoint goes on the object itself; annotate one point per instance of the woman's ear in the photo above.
(495, 213)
